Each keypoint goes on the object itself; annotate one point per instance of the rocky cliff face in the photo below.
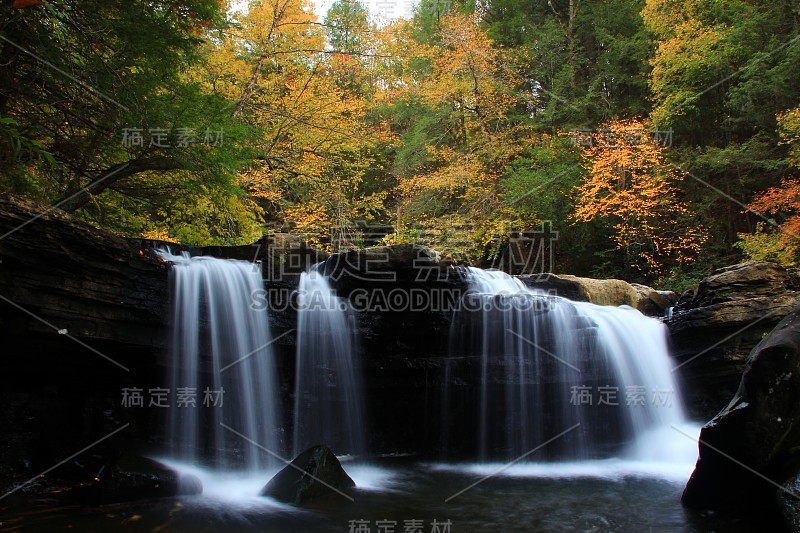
(84, 313)
(404, 297)
(714, 328)
(60, 278)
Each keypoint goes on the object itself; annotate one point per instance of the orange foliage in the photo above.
(782, 200)
(22, 4)
(631, 184)
(312, 221)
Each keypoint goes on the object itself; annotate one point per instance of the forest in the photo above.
(660, 139)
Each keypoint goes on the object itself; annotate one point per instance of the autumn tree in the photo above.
(631, 184)
(457, 127)
(720, 73)
(315, 146)
(457, 138)
(778, 240)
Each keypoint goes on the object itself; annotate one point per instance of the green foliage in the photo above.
(100, 71)
(722, 70)
(538, 187)
(346, 25)
(428, 15)
(680, 280)
(581, 67)
(766, 246)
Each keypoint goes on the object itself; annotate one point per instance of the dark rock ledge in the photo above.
(714, 327)
(752, 446)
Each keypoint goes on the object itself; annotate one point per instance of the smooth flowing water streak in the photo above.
(328, 393)
(547, 364)
(222, 360)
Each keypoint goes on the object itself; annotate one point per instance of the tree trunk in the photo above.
(108, 177)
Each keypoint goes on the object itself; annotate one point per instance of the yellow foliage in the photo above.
(457, 187)
(157, 234)
(312, 222)
(765, 246)
(311, 106)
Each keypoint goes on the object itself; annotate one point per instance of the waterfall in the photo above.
(221, 353)
(546, 365)
(328, 393)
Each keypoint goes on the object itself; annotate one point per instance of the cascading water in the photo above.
(221, 353)
(328, 405)
(548, 365)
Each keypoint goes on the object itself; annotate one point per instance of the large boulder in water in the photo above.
(613, 292)
(753, 445)
(314, 475)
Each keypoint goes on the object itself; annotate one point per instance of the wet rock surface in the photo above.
(314, 475)
(82, 315)
(752, 446)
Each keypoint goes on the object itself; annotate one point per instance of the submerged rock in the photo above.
(753, 444)
(133, 477)
(313, 475)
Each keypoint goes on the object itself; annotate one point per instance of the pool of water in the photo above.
(402, 496)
